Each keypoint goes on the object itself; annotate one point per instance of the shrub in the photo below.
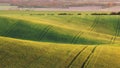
(79, 14)
(62, 14)
(115, 13)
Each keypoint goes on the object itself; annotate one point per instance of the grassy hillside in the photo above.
(27, 54)
(49, 40)
(40, 32)
(52, 27)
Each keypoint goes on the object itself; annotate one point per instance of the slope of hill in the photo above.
(31, 39)
(74, 29)
(27, 54)
(40, 32)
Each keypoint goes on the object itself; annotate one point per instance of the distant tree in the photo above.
(113, 13)
(62, 14)
(79, 14)
(118, 13)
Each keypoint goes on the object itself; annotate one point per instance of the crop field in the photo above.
(59, 39)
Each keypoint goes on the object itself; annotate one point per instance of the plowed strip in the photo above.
(76, 57)
(84, 63)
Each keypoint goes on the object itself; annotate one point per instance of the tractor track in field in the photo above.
(98, 54)
(117, 32)
(44, 32)
(72, 53)
(76, 37)
(96, 21)
(88, 57)
(10, 29)
(77, 55)
(92, 27)
(41, 33)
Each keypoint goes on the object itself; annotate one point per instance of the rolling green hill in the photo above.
(40, 32)
(16, 53)
(62, 29)
(31, 39)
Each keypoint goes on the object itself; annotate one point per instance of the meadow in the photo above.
(59, 39)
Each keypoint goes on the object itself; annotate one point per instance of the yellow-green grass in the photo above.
(32, 39)
(64, 29)
(83, 22)
(43, 32)
(16, 53)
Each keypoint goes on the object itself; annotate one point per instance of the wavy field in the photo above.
(31, 39)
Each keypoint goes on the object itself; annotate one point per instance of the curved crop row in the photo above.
(40, 32)
(117, 31)
(44, 32)
(96, 21)
(77, 55)
(88, 57)
(76, 37)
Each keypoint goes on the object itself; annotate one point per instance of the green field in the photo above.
(31, 39)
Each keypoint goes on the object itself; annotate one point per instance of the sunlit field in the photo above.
(59, 39)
